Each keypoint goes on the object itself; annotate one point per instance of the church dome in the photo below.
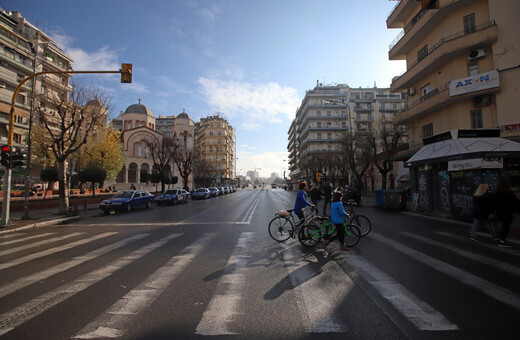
(183, 115)
(139, 108)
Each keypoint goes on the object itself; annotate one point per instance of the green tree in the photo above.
(49, 175)
(93, 174)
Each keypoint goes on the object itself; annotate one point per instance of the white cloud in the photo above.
(135, 87)
(255, 103)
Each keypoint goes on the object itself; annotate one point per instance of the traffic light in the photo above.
(6, 156)
(126, 73)
(18, 159)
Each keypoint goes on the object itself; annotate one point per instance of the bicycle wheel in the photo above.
(309, 235)
(352, 234)
(363, 224)
(280, 229)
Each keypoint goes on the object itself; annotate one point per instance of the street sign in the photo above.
(367, 173)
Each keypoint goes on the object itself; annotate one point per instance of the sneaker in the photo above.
(473, 238)
(504, 245)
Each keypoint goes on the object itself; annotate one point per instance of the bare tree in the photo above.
(356, 154)
(384, 144)
(183, 158)
(65, 125)
(162, 151)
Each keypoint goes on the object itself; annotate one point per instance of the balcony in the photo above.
(56, 83)
(400, 12)
(444, 50)
(434, 101)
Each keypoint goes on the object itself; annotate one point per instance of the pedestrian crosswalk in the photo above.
(319, 285)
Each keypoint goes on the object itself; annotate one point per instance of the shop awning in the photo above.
(465, 148)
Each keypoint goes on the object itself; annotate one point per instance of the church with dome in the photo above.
(139, 126)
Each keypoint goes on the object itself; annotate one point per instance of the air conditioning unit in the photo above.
(481, 100)
(476, 54)
(411, 91)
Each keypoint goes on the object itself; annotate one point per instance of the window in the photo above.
(211, 133)
(344, 125)
(318, 113)
(319, 135)
(318, 124)
(476, 119)
(472, 69)
(329, 135)
(21, 99)
(427, 130)
(425, 90)
(329, 113)
(423, 52)
(17, 138)
(469, 24)
(219, 133)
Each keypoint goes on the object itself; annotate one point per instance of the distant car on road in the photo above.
(201, 193)
(172, 196)
(350, 196)
(127, 200)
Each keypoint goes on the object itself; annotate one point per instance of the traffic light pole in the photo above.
(126, 77)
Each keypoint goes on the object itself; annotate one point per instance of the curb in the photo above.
(42, 224)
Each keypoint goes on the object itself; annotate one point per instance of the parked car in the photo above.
(213, 191)
(351, 196)
(172, 196)
(201, 193)
(127, 200)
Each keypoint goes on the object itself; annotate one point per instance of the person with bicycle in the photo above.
(301, 201)
(336, 216)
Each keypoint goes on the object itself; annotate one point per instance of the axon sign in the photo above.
(474, 83)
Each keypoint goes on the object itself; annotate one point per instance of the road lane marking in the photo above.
(420, 313)
(113, 322)
(37, 244)
(470, 255)
(46, 273)
(510, 251)
(218, 316)
(319, 294)
(251, 211)
(53, 250)
(501, 294)
(25, 239)
(40, 304)
(173, 224)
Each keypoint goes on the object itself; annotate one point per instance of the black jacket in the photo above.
(482, 206)
(505, 204)
(315, 194)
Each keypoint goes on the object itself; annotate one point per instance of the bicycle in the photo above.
(310, 235)
(283, 226)
(361, 221)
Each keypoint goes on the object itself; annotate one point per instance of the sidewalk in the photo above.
(47, 217)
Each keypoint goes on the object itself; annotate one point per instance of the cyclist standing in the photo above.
(336, 216)
(301, 200)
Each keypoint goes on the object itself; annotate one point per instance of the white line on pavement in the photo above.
(37, 244)
(38, 305)
(28, 280)
(218, 316)
(25, 239)
(113, 322)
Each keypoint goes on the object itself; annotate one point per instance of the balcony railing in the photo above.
(407, 28)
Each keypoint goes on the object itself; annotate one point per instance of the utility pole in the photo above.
(126, 77)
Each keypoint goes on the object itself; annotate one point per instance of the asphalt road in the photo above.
(209, 268)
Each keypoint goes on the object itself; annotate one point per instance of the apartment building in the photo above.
(462, 66)
(463, 80)
(216, 142)
(328, 113)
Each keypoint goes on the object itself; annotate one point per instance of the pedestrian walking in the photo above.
(482, 212)
(327, 196)
(505, 203)
(316, 195)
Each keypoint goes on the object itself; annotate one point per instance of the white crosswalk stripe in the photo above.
(53, 250)
(25, 239)
(37, 244)
(46, 273)
(114, 321)
(218, 317)
(38, 305)
(499, 293)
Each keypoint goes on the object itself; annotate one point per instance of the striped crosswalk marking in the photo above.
(217, 318)
(46, 273)
(37, 244)
(486, 287)
(420, 313)
(25, 239)
(115, 320)
(40, 304)
(53, 250)
(508, 268)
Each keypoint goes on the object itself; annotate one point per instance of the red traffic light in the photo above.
(6, 148)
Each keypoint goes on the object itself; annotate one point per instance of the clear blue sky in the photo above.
(251, 60)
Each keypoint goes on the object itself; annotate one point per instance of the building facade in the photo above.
(216, 143)
(462, 66)
(328, 113)
(138, 127)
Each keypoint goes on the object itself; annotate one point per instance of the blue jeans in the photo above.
(489, 225)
